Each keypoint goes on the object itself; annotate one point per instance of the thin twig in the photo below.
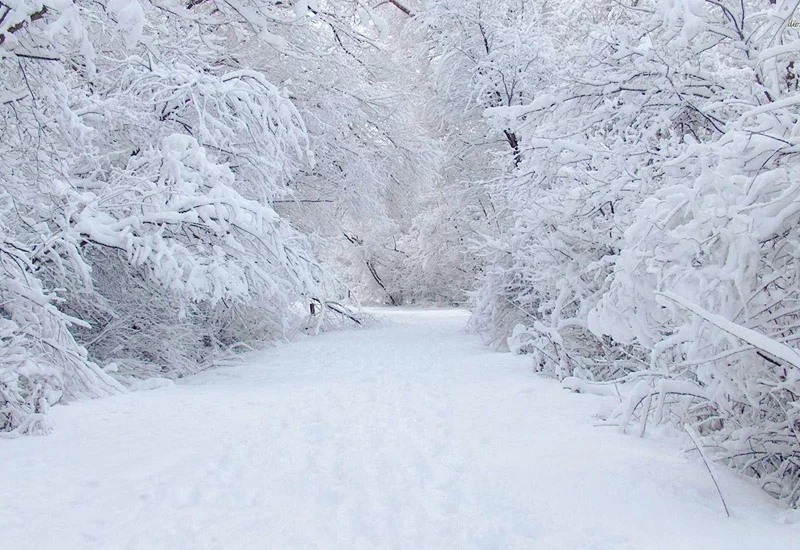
(694, 437)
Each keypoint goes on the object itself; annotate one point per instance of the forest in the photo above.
(610, 186)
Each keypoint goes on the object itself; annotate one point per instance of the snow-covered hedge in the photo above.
(649, 235)
(138, 165)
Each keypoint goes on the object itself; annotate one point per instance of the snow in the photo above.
(151, 384)
(583, 386)
(410, 435)
(130, 20)
(757, 340)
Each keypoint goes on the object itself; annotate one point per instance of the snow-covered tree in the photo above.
(648, 221)
(478, 55)
(706, 279)
(139, 168)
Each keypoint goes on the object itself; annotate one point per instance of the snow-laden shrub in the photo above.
(723, 240)
(651, 229)
(137, 170)
(590, 145)
(176, 244)
(40, 361)
(706, 283)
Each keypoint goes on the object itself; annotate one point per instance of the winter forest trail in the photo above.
(410, 435)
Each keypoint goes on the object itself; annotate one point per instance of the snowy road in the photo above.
(411, 435)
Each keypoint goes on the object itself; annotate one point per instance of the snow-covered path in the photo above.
(411, 435)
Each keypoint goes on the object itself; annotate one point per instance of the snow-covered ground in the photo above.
(411, 435)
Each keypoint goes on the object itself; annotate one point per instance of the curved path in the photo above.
(410, 435)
